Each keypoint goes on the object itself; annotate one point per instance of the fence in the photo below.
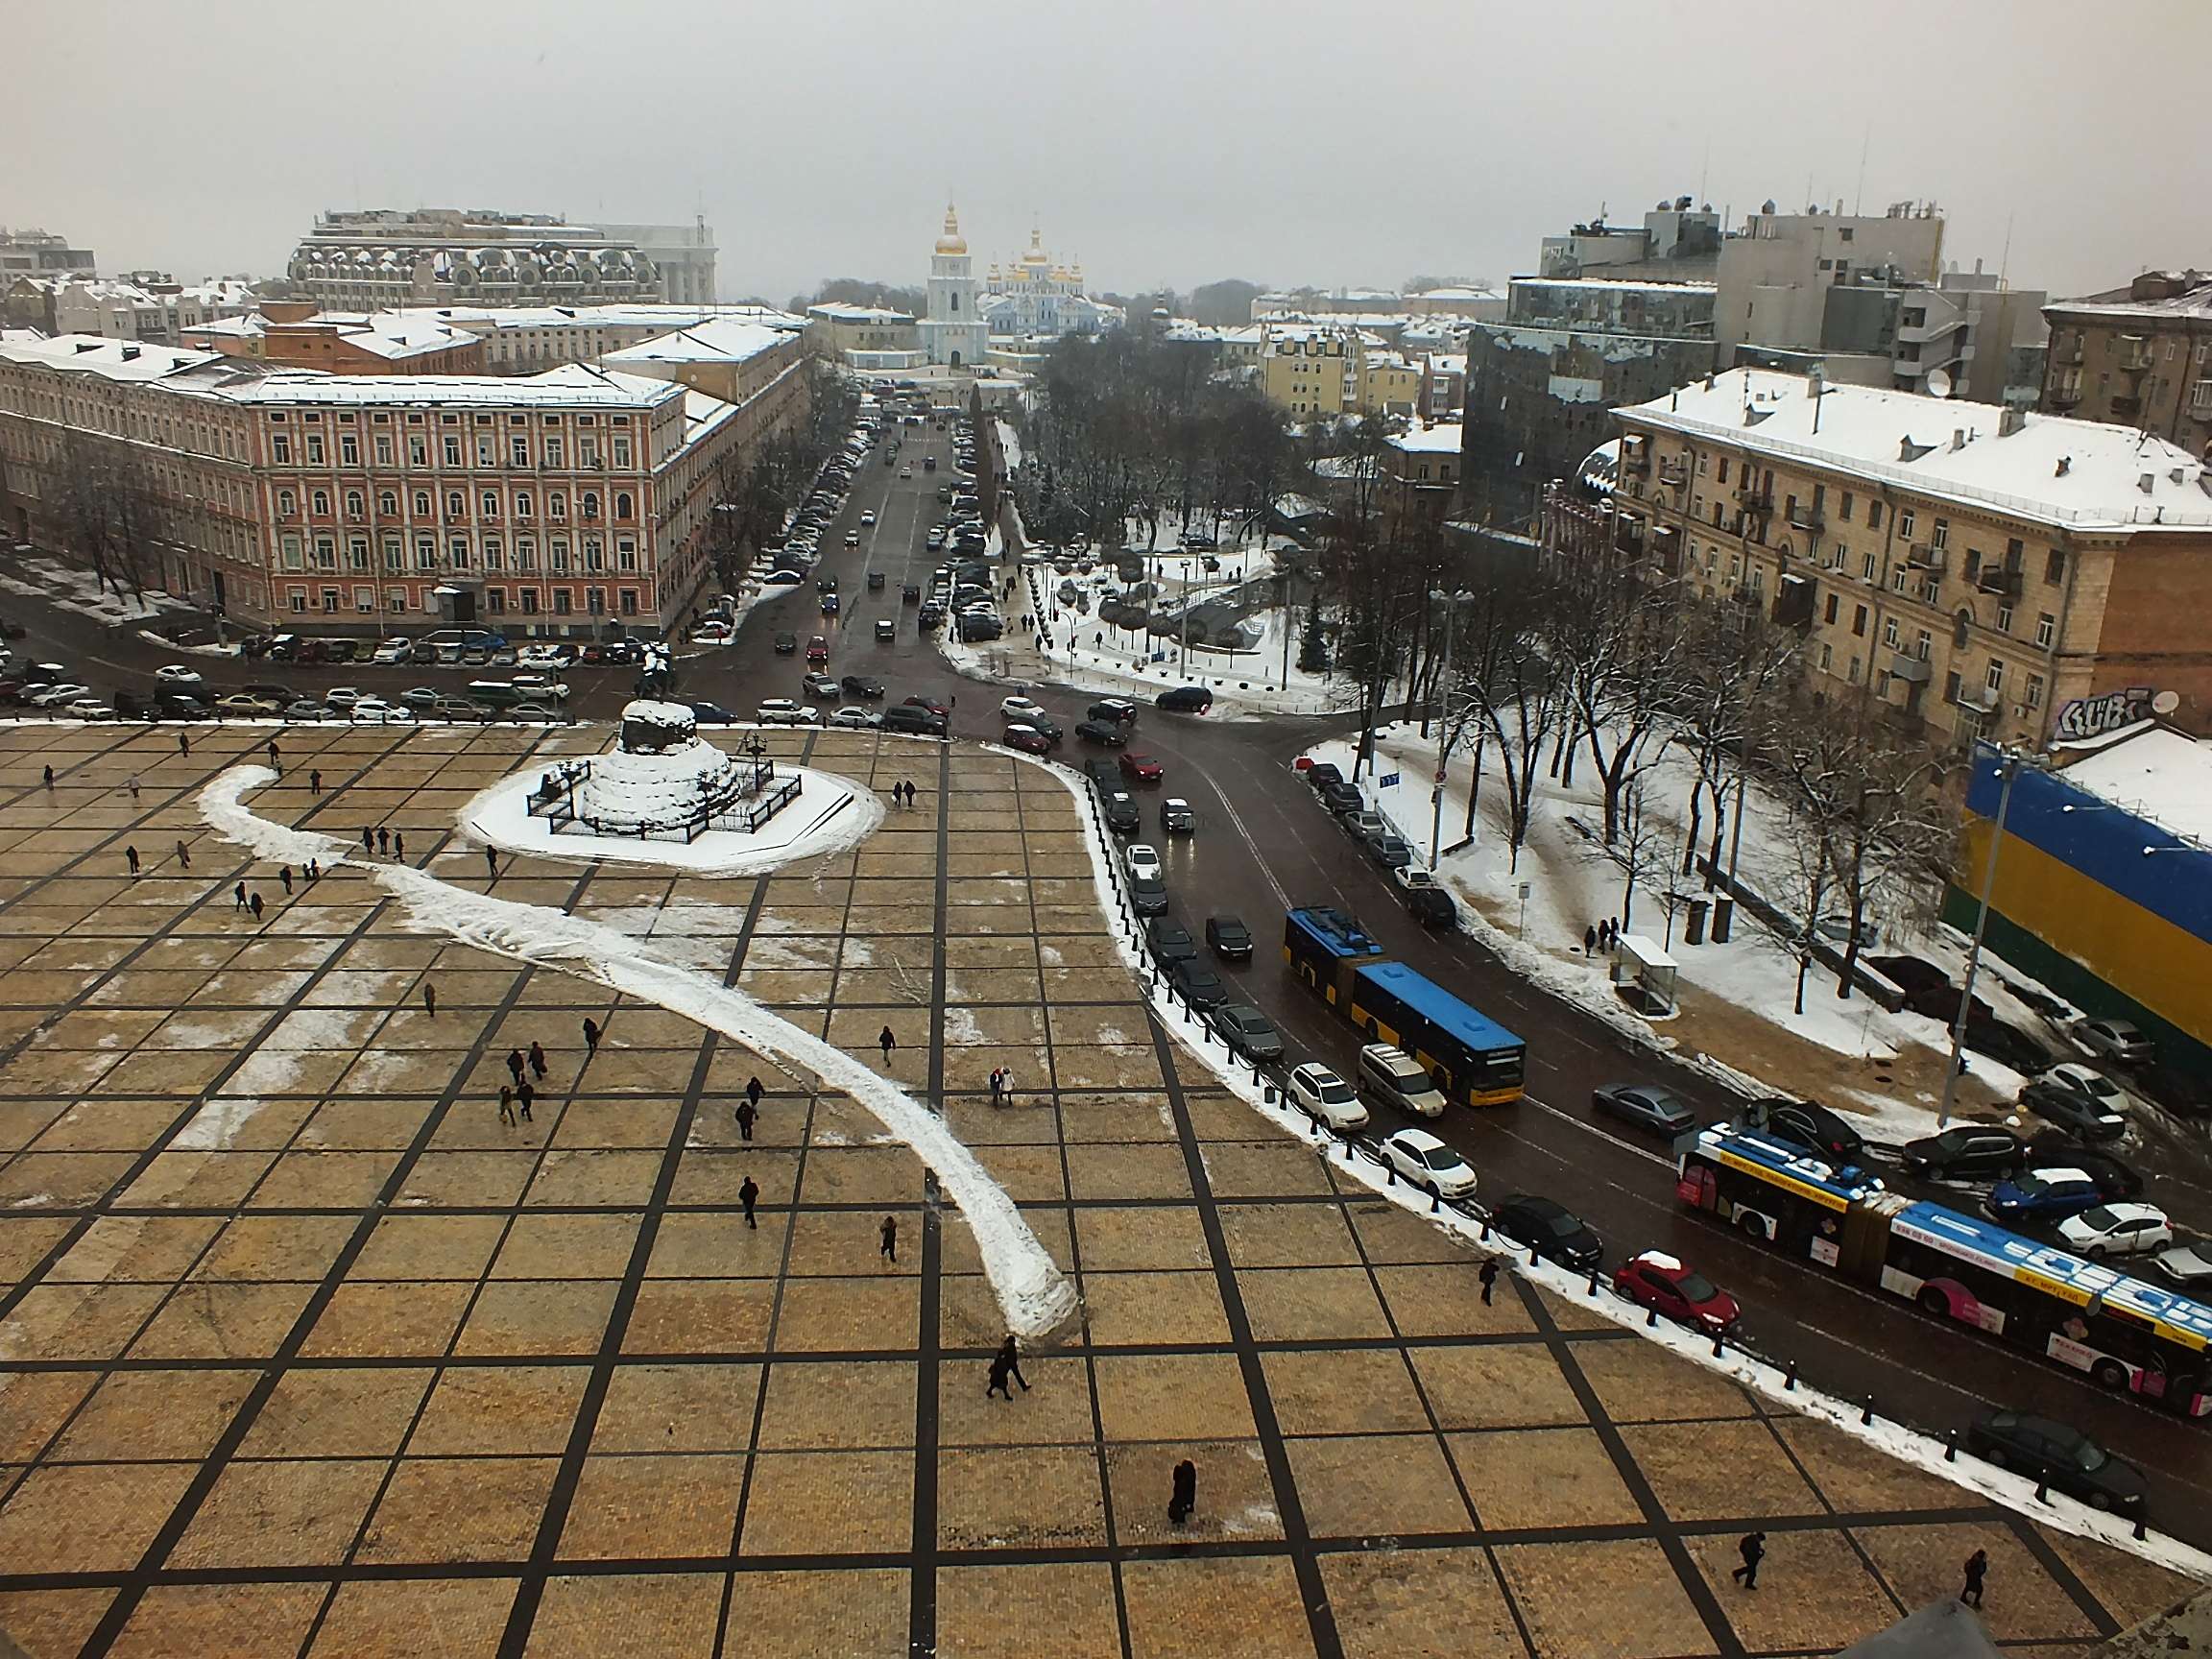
(757, 798)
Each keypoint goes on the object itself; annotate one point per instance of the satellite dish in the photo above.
(1938, 382)
(2166, 702)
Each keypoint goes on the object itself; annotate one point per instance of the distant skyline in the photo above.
(1163, 143)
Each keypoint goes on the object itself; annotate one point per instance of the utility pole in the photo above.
(2009, 766)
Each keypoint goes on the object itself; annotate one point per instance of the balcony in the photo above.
(2069, 352)
(2127, 408)
(1805, 515)
(1997, 579)
(1674, 472)
(1667, 549)
(1910, 668)
(1978, 699)
(1755, 497)
(2133, 354)
(1635, 455)
(2200, 398)
(2066, 395)
(1927, 556)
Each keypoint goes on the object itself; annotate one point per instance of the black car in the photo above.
(1247, 1031)
(1105, 777)
(1340, 798)
(2068, 1458)
(1147, 894)
(713, 714)
(1117, 710)
(1185, 700)
(1171, 942)
(1808, 1124)
(2057, 1149)
(1552, 1230)
(1229, 938)
(1324, 773)
(1103, 732)
(862, 685)
(1646, 1106)
(1970, 1149)
(910, 593)
(1198, 985)
(930, 614)
(1123, 816)
(786, 643)
(915, 722)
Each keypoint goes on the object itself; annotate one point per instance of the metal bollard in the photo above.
(1650, 1318)
(1950, 1445)
(1593, 1281)
(1866, 1416)
(1790, 1383)
(1717, 1350)
(2043, 1489)
(2141, 1531)
(1435, 1202)
(1389, 1175)
(1486, 1229)
(1533, 1257)
(1268, 1095)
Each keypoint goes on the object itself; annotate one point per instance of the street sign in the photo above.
(1439, 774)
(1524, 892)
(1388, 780)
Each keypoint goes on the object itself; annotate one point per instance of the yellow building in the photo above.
(1329, 369)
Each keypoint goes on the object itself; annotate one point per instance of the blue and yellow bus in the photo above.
(1473, 1060)
(2121, 1332)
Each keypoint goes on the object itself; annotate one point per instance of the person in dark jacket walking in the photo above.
(515, 1063)
(492, 862)
(49, 777)
(253, 905)
(538, 1061)
(314, 781)
(284, 875)
(888, 1041)
(749, 1195)
(506, 1103)
(184, 743)
(238, 896)
(1977, 1569)
(748, 1114)
(130, 858)
(998, 1382)
(753, 1091)
(887, 1239)
(1010, 1357)
(276, 762)
(184, 856)
(524, 1094)
(368, 840)
(592, 1034)
(1183, 1494)
(1753, 1547)
(1488, 1277)
(429, 999)
(383, 840)
(1589, 941)
(398, 845)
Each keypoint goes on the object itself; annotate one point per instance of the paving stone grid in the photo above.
(302, 1351)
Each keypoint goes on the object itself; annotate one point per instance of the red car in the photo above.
(1028, 739)
(931, 703)
(1657, 1280)
(1141, 768)
(818, 649)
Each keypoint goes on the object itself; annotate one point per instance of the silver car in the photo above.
(2115, 1040)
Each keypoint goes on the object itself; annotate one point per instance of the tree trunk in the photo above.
(1697, 817)
(1474, 786)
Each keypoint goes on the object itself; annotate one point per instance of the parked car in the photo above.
(711, 714)
(2117, 1230)
(1388, 1074)
(1653, 1278)
(1811, 1126)
(1117, 710)
(1171, 941)
(914, 721)
(1148, 895)
(922, 701)
(1425, 896)
(420, 696)
(1647, 1106)
(1142, 860)
(1968, 1150)
(1104, 733)
(58, 695)
(1361, 821)
(1419, 1157)
(1122, 818)
(1390, 851)
(2042, 1195)
(1229, 938)
(2047, 1450)
(2089, 1083)
(2071, 1109)
(1197, 984)
(1141, 768)
(1551, 1229)
(1340, 798)
(1323, 773)
(1326, 1097)
(783, 712)
(2060, 1149)
(243, 705)
(2116, 1040)
(1176, 816)
(2188, 1266)
(1185, 700)
(1248, 1032)
(856, 719)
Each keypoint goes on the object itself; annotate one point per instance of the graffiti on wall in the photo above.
(2086, 718)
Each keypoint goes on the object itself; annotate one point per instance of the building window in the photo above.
(1854, 675)
(483, 451)
(392, 553)
(519, 450)
(2054, 566)
(557, 556)
(396, 600)
(457, 552)
(489, 505)
(525, 506)
(563, 601)
(355, 511)
(622, 453)
(329, 597)
(626, 601)
(557, 504)
(365, 601)
(417, 450)
(426, 553)
(625, 554)
(292, 557)
(588, 505)
(595, 601)
(528, 600)
(525, 554)
(1866, 567)
(594, 555)
(1924, 645)
(1859, 621)
(1843, 507)
(553, 453)
(456, 505)
(2033, 696)
(348, 449)
(357, 553)
(287, 504)
(1951, 687)
(314, 449)
(1905, 521)
(452, 449)
(622, 505)
(2046, 630)
(492, 555)
(1834, 603)
(495, 600)
(1993, 676)
(1873, 514)
(1893, 636)
(1897, 578)
(2004, 618)
(421, 503)
(318, 503)
(1827, 659)
(280, 448)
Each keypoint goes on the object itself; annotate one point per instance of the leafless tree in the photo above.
(1735, 664)
(111, 511)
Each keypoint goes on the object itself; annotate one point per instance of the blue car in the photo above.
(2044, 1196)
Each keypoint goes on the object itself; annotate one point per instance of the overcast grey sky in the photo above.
(1163, 143)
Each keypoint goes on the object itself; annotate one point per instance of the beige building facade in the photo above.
(2139, 355)
(1980, 569)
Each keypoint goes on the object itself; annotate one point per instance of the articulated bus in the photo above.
(1473, 1060)
(2121, 1332)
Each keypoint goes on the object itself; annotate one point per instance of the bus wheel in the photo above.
(2109, 1373)
(1934, 1300)
(1373, 1035)
(1754, 1224)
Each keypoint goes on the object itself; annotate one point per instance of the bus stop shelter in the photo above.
(1644, 975)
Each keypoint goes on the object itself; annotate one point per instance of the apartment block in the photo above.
(2140, 355)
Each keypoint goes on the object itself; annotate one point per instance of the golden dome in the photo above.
(952, 242)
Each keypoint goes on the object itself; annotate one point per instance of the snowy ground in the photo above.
(37, 576)
(1572, 885)
(1009, 444)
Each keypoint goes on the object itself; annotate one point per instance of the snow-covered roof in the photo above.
(720, 341)
(2158, 774)
(1482, 294)
(2083, 473)
(1589, 284)
(96, 354)
(637, 316)
(1436, 438)
(397, 335)
(1447, 362)
(2193, 304)
(571, 386)
(836, 311)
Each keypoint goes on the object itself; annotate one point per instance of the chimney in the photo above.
(1958, 438)
(2012, 420)
(130, 353)
(2065, 466)
(1905, 447)
(2148, 482)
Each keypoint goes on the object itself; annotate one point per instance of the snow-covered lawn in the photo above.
(72, 588)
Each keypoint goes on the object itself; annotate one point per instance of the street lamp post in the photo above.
(1451, 603)
(2009, 766)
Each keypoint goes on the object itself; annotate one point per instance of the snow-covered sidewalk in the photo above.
(37, 576)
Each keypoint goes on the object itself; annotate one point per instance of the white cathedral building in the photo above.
(954, 333)
(1037, 297)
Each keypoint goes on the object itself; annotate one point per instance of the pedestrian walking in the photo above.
(314, 781)
(492, 862)
(538, 1061)
(524, 1094)
(1977, 1569)
(184, 856)
(383, 840)
(749, 1195)
(1753, 1547)
(314, 871)
(515, 1063)
(398, 845)
(238, 896)
(1010, 1357)
(49, 776)
(747, 1115)
(1589, 941)
(1183, 1492)
(429, 999)
(1006, 1087)
(134, 788)
(1489, 1280)
(888, 1042)
(753, 1091)
(887, 1235)
(284, 875)
(184, 743)
(590, 1034)
(130, 857)
(254, 905)
(998, 1382)
(506, 1103)
(368, 840)
(276, 762)
(995, 1084)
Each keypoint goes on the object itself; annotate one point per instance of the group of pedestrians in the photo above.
(1002, 1086)
(391, 843)
(1006, 1369)
(902, 794)
(1603, 936)
(1752, 1548)
(527, 1069)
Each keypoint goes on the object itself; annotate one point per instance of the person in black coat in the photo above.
(1182, 1496)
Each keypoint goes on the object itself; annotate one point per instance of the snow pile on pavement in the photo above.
(1032, 1293)
(1009, 444)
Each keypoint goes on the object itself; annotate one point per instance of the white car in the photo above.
(1143, 861)
(85, 708)
(2090, 1083)
(54, 696)
(857, 719)
(1422, 1159)
(868, 517)
(1020, 709)
(542, 687)
(1319, 1093)
(394, 650)
(539, 657)
(375, 711)
(176, 674)
(783, 711)
(344, 696)
(2117, 1230)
